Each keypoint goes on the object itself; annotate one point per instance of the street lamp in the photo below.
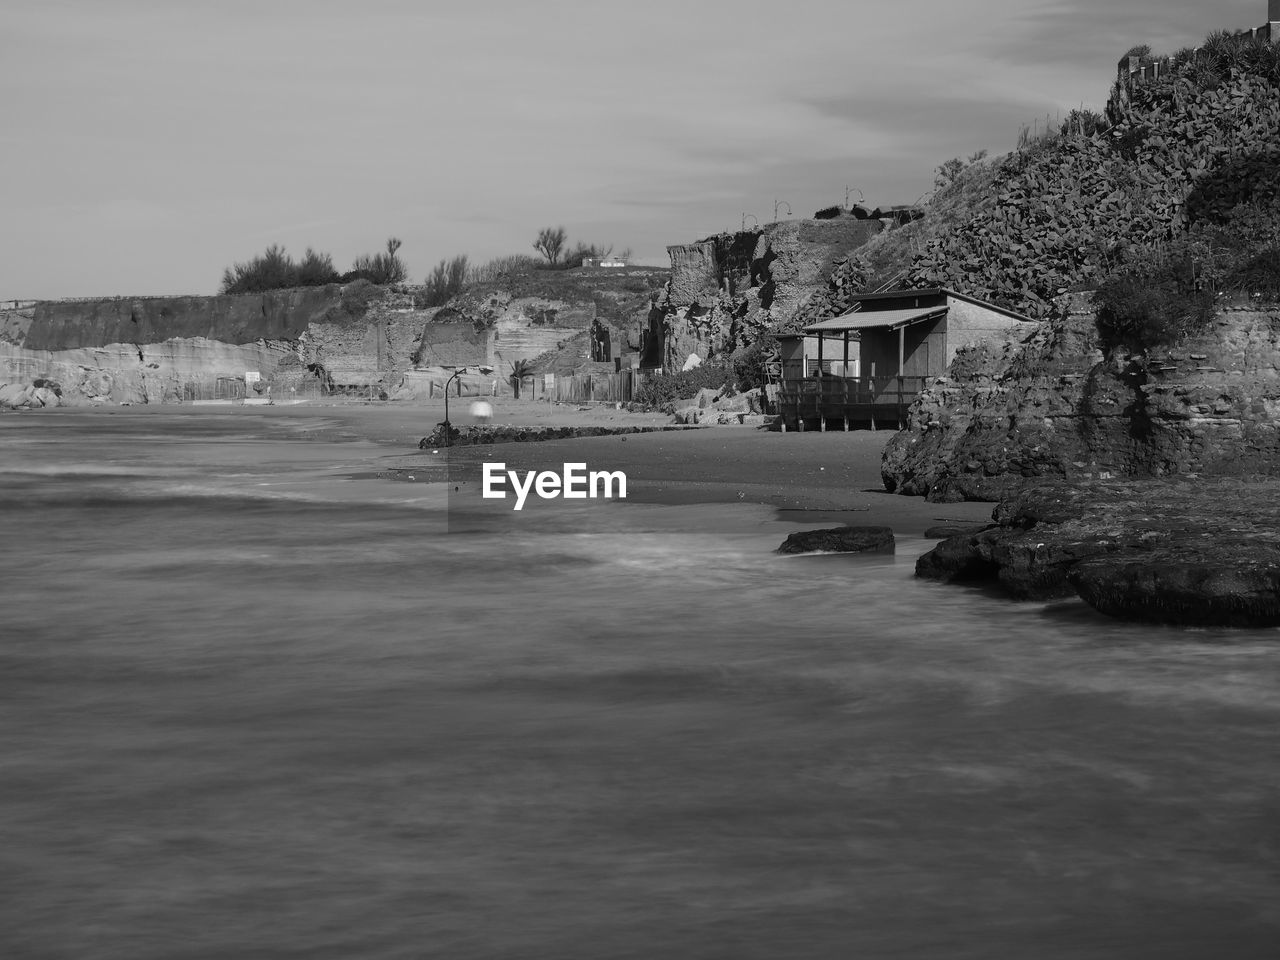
(457, 372)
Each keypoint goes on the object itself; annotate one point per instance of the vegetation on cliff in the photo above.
(1180, 184)
(276, 270)
(550, 243)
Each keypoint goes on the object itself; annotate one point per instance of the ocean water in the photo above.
(251, 707)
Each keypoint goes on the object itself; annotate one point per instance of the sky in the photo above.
(145, 145)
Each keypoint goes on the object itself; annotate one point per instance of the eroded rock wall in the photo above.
(726, 290)
(163, 349)
(168, 372)
(234, 318)
(1060, 406)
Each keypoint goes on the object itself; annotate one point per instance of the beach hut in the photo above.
(898, 340)
(799, 356)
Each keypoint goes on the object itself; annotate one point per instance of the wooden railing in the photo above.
(847, 399)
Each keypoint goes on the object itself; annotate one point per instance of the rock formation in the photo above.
(729, 288)
(1176, 550)
(1059, 406)
(169, 349)
(352, 338)
(840, 540)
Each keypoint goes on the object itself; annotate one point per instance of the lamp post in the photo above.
(448, 427)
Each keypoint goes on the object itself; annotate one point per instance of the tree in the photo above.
(550, 243)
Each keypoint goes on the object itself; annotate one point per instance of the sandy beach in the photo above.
(818, 476)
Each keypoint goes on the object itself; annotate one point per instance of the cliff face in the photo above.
(168, 372)
(544, 315)
(234, 319)
(354, 337)
(727, 289)
(1059, 406)
(167, 349)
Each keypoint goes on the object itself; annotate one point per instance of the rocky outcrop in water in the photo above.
(840, 540)
(1061, 406)
(1181, 550)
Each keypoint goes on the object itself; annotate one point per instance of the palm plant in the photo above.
(519, 370)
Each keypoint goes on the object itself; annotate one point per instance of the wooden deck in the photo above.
(821, 403)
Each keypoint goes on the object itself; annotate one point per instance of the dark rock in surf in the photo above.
(840, 540)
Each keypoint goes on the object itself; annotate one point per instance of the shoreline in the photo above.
(812, 477)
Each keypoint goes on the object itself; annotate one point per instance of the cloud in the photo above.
(463, 128)
(1086, 31)
(945, 124)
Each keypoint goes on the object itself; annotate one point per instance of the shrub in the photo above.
(582, 252)
(276, 270)
(749, 363)
(1083, 123)
(1260, 274)
(658, 391)
(316, 269)
(501, 266)
(444, 282)
(949, 172)
(1150, 305)
(380, 268)
(357, 295)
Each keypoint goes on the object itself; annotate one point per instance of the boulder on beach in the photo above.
(18, 395)
(840, 540)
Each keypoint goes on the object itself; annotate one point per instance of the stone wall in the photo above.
(1058, 405)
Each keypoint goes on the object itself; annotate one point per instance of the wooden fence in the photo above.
(234, 388)
(605, 387)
